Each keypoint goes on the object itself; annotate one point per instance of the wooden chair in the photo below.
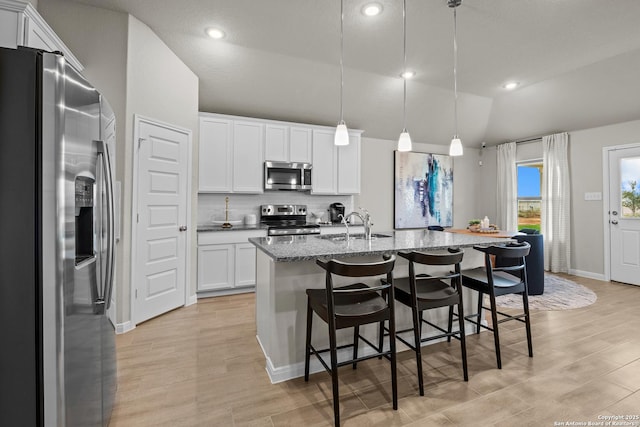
(349, 307)
(422, 292)
(496, 281)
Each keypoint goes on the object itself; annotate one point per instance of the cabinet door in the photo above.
(276, 143)
(248, 169)
(215, 155)
(37, 37)
(9, 29)
(323, 174)
(245, 268)
(349, 166)
(215, 267)
(300, 145)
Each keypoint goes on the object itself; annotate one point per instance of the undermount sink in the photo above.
(357, 236)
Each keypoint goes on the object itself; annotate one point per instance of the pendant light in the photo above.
(342, 134)
(404, 142)
(455, 149)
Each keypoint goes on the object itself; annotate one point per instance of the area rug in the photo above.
(559, 294)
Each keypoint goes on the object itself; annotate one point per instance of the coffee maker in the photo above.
(335, 210)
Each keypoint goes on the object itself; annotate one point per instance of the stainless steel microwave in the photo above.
(287, 176)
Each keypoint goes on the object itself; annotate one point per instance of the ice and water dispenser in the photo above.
(84, 213)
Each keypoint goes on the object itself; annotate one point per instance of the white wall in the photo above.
(585, 164)
(377, 181)
(159, 86)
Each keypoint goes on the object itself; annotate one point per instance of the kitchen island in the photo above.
(286, 267)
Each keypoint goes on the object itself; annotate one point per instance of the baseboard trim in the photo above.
(587, 274)
(222, 292)
(296, 370)
(193, 299)
(122, 328)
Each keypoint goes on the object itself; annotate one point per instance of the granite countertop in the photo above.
(259, 226)
(304, 248)
(239, 227)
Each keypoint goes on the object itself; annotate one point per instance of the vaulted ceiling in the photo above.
(577, 62)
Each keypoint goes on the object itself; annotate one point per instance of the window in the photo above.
(529, 194)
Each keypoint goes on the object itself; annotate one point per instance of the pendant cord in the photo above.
(341, 59)
(455, 72)
(404, 33)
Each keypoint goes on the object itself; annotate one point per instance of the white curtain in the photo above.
(507, 191)
(556, 203)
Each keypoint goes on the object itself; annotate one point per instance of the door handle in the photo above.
(183, 228)
(614, 222)
(105, 298)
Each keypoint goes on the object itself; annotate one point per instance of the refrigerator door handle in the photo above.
(107, 287)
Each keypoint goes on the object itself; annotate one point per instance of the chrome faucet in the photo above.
(343, 220)
(366, 221)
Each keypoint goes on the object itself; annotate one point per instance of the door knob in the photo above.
(614, 222)
(614, 213)
(183, 228)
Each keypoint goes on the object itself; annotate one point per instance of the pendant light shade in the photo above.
(342, 134)
(404, 142)
(455, 149)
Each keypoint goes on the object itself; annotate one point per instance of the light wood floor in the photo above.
(202, 366)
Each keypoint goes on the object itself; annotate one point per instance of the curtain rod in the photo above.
(522, 141)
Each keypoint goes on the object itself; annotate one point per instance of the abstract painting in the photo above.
(423, 190)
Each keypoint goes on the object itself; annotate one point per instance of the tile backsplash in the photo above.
(211, 206)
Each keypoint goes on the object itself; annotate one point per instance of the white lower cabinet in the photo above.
(215, 267)
(245, 265)
(226, 262)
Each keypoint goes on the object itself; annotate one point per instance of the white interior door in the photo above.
(161, 237)
(624, 214)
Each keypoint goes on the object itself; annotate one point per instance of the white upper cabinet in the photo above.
(300, 144)
(287, 143)
(324, 163)
(276, 143)
(349, 166)
(336, 170)
(233, 151)
(215, 155)
(248, 170)
(230, 156)
(21, 25)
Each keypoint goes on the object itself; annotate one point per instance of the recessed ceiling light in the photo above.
(511, 85)
(408, 74)
(215, 33)
(372, 9)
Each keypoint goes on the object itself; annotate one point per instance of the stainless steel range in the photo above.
(287, 220)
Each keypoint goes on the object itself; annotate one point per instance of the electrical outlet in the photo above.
(593, 196)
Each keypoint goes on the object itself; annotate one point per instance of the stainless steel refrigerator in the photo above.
(57, 347)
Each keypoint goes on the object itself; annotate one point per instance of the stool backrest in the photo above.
(514, 250)
(365, 269)
(453, 257)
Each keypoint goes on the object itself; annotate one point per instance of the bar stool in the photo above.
(351, 306)
(496, 281)
(423, 292)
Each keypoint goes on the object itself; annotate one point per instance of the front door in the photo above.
(162, 197)
(624, 214)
